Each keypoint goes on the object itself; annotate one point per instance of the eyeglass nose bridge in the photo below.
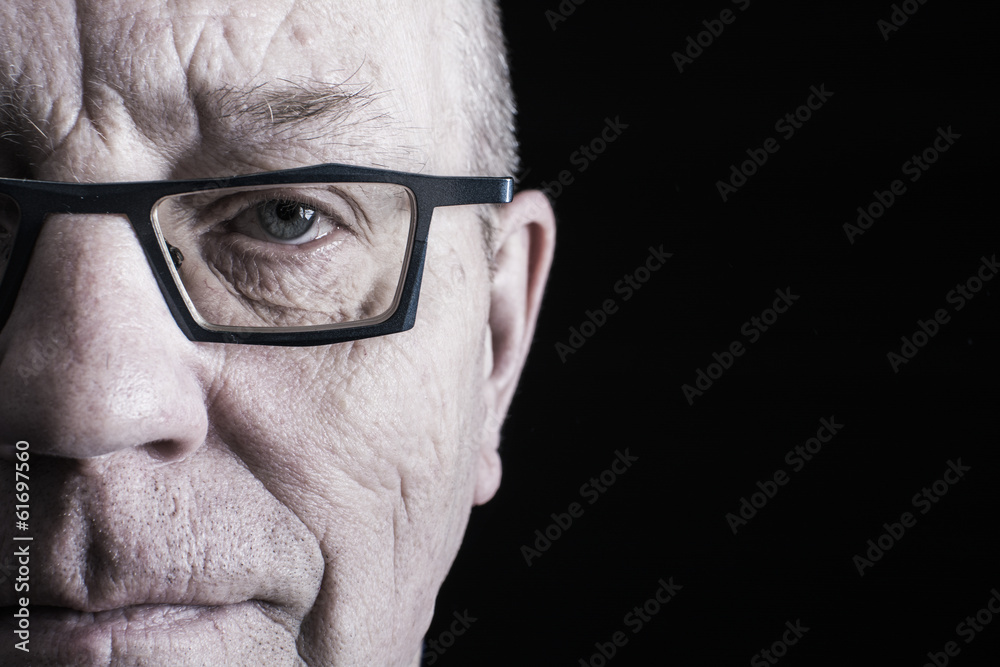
(37, 201)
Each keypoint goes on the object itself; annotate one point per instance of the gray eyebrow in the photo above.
(306, 110)
(11, 111)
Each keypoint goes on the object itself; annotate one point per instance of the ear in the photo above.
(525, 242)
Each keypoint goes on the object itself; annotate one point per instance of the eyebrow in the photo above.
(299, 110)
(11, 113)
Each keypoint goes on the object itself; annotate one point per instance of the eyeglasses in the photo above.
(308, 256)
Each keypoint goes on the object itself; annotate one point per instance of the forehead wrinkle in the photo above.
(29, 43)
(85, 78)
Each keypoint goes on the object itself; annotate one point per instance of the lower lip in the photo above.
(64, 632)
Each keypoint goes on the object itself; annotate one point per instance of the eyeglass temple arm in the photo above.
(473, 190)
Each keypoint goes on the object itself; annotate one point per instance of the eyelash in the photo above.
(249, 201)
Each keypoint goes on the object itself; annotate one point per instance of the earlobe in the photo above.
(525, 236)
(488, 473)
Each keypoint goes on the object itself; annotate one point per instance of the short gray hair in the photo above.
(489, 102)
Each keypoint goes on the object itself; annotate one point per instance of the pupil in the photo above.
(287, 210)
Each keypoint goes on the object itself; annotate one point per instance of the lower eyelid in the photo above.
(264, 250)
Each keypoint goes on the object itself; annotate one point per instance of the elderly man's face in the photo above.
(220, 504)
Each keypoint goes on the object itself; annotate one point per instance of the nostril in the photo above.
(166, 451)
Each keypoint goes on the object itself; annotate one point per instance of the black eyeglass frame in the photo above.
(137, 200)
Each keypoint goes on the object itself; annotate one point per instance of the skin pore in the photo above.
(217, 504)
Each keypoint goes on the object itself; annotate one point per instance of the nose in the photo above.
(91, 361)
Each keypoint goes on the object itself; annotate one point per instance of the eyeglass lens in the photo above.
(288, 256)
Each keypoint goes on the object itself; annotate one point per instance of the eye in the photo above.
(293, 217)
(284, 220)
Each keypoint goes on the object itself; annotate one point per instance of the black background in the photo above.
(825, 358)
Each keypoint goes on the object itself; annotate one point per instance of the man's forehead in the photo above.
(183, 71)
(253, 35)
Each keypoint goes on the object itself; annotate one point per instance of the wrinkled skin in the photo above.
(206, 504)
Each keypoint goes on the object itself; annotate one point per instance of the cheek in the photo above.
(375, 428)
